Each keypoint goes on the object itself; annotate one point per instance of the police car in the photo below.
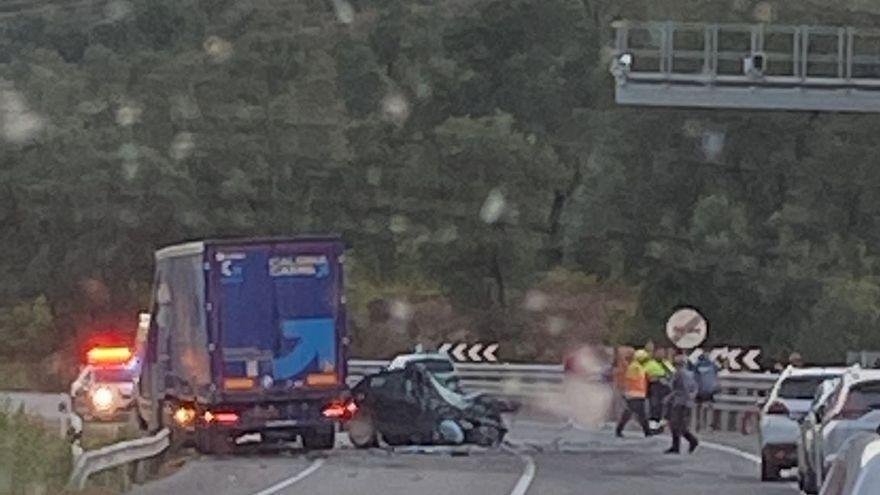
(104, 389)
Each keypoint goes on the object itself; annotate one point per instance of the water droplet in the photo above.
(493, 207)
(128, 114)
(130, 169)
(395, 108)
(536, 300)
(182, 145)
(374, 176)
(713, 145)
(344, 11)
(398, 224)
(19, 124)
(218, 49)
(556, 325)
(128, 152)
(401, 310)
(447, 234)
(117, 10)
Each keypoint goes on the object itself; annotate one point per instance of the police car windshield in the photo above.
(801, 387)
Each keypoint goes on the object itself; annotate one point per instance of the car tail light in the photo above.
(340, 410)
(222, 418)
(777, 408)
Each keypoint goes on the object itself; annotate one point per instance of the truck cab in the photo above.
(246, 337)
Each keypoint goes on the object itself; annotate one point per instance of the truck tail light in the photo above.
(184, 415)
(238, 383)
(322, 379)
(225, 418)
(340, 410)
(777, 408)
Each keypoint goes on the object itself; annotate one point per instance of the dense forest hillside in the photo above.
(469, 151)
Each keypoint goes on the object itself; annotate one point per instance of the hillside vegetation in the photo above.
(469, 151)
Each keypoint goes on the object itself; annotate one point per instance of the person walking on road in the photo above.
(681, 401)
(658, 387)
(635, 391)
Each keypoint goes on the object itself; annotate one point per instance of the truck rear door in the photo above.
(278, 316)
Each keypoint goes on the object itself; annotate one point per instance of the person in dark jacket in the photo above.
(680, 403)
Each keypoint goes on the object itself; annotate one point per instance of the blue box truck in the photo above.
(247, 337)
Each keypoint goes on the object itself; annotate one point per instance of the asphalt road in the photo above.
(541, 458)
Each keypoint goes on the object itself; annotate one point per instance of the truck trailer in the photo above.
(247, 337)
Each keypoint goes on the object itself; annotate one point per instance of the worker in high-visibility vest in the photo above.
(635, 391)
(658, 388)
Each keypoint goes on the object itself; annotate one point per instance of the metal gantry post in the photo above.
(805, 46)
(850, 40)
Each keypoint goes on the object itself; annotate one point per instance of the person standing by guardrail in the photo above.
(706, 375)
(681, 401)
(635, 391)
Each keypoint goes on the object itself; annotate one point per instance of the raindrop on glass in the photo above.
(493, 207)
(217, 49)
(344, 11)
(398, 224)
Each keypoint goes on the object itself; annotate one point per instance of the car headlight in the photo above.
(102, 398)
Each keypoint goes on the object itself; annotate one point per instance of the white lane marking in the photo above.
(730, 450)
(281, 485)
(528, 474)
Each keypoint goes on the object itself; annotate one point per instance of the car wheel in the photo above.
(319, 439)
(395, 440)
(808, 483)
(362, 430)
(769, 471)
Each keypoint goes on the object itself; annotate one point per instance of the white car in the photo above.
(853, 408)
(856, 468)
(437, 364)
(868, 479)
(808, 465)
(787, 403)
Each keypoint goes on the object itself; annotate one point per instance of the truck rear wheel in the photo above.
(212, 442)
(319, 438)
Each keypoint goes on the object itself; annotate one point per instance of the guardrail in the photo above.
(54, 409)
(116, 455)
(734, 405)
(514, 381)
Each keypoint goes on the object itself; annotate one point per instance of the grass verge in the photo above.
(33, 459)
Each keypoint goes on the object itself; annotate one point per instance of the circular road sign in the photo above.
(687, 328)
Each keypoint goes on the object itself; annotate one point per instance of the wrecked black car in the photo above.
(410, 407)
